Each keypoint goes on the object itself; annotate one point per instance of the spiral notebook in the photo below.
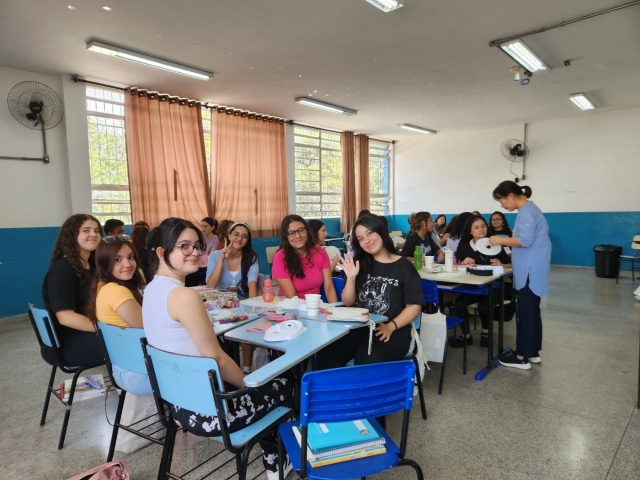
(326, 439)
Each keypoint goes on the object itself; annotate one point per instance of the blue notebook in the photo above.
(332, 438)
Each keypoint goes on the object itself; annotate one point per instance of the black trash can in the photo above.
(607, 260)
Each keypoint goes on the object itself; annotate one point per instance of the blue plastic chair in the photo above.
(430, 292)
(121, 347)
(345, 394)
(338, 284)
(195, 383)
(46, 334)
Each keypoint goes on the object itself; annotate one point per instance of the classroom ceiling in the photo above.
(428, 63)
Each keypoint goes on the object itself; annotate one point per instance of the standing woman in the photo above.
(531, 259)
(301, 266)
(65, 291)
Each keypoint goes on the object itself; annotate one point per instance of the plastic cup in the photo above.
(313, 303)
(427, 261)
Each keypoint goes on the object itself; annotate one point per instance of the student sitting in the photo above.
(475, 229)
(456, 231)
(223, 233)
(208, 227)
(65, 291)
(422, 226)
(499, 226)
(145, 256)
(116, 300)
(176, 321)
(113, 227)
(385, 284)
(300, 266)
(318, 232)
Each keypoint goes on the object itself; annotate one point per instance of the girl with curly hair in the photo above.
(65, 291)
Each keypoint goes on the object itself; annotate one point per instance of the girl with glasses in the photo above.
(116, 299)
(300, 266)
(175, 320)
(65, 291)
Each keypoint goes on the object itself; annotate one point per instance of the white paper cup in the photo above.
(427, 261)
(313, 303)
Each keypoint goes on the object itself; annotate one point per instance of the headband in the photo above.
(240, 223)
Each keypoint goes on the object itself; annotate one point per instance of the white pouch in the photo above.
(433, 335)
(135, 409)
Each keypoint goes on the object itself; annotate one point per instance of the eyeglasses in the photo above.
(302, 231)
(115, 238)
(188, 249)
(240, 235)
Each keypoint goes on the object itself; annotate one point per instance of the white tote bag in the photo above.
(433, 335)
(136, 408)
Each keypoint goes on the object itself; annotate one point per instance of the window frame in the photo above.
(388, 196)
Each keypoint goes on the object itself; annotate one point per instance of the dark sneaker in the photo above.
(511, 360)
(484, 340)
(459, 342)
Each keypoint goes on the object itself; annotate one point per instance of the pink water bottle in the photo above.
(267, 291)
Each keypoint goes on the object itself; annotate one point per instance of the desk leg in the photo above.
(490, 349)
(501, 322)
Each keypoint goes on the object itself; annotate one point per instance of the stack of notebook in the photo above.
(329, 443)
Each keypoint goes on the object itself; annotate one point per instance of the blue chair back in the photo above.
(182, 380)
(338, 284)
(417, 321)
(123, 347)
(47, 333)
(430, 291)
(365, 391)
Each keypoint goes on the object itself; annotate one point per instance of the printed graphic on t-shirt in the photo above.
(376, 294)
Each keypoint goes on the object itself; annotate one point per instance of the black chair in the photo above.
(46, 335)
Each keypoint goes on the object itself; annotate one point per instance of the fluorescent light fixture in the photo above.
(582, 101)
(385, 5)
(414, 128)
(136, 57)
(522, 54)
(329, 107)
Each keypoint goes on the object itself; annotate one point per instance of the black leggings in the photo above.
(356, 344)
(78, 349)
(243, 411)
(529, 327)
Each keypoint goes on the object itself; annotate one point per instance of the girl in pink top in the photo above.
(300, 266)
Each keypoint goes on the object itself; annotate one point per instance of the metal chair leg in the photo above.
(464, 358)
(423, 407)
(48, 397)
(444, 361)
(116, 426)
(167, 452)
(67, 412)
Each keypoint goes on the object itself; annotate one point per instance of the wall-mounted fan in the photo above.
(516, 152)
(37, 106)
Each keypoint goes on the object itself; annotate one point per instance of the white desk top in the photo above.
(221, 329)
(465, 279)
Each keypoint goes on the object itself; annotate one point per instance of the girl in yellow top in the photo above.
(116, 300)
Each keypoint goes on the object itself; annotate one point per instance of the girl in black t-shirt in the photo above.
(384, 283)
(475, 229)
(421, 228)
(499, 226)
(65, 291)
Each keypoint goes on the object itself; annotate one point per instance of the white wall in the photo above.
(585, 163)
(33, 194)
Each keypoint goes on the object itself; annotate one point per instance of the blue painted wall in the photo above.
(25, 252)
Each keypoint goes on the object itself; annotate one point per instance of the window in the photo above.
(206, 129)
(379, 155)
(108, 155)
(318, 173)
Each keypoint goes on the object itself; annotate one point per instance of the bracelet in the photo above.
(394, 322)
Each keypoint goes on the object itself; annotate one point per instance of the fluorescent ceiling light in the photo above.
(385, 5)
(406, 126)
(582, 101)
(522, 54)
(329, 107)
(132, 56)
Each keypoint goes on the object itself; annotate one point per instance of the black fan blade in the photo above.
(515, 150)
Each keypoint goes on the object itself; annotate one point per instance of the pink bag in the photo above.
(116, 470)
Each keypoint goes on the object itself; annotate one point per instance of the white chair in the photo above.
(395, 233)
(635, 244)
(332, 251)
(397, 240)
(271, 251)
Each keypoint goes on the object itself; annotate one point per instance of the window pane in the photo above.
(306, 164)
(307, 198)
(331, 172)
(378, 175)
(307, 186)
(304, 208)
(309, 132)
(307, 140)
(308, 175)
(331, 198)
(307, 152)
(330, 144)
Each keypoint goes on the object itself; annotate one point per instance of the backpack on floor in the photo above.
(116, 470)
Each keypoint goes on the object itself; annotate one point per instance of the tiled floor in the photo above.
(574, 416)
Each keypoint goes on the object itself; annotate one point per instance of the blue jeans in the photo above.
(136, 383)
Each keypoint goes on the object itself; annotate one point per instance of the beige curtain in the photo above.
(167, 162)
(349, 211)
(362, 173)
(249, 170)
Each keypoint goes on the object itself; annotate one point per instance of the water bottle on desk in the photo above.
(417, 257)
(267, 291)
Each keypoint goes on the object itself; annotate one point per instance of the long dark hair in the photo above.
(222, 230)
(249, 257)
(291, 258)
(466, 230)
(373, 223)
(461, 221)
(505, 224)
(166, 235)
(212, 222)
(67, 246)
(416, 219)
(105, 260)
(505, 188)
(439, 217)
(449, 228)
(314, 228)
(139, 236)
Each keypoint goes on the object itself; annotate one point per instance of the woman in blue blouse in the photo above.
(531, 259)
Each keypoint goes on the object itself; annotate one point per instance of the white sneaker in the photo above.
(535, 359)
(287, 468)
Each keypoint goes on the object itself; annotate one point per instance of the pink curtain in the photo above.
(362, 173)
(167, 162)
(349, 209)
(248, 170)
